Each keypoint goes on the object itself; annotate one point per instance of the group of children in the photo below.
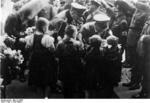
(91, 67)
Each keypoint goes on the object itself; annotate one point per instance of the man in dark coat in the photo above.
(143, 59)
(138, 20)
(120, 24)
(144, 65)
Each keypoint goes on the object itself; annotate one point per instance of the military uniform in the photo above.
(142, 49)
(62, 19)
(89, 29)
(138, 20)
(144, 67)
(65, 15)
(88, 16)
(146, 28)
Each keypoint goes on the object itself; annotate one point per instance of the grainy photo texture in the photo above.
(74, 49)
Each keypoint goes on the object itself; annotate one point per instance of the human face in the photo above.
(101, 26)
(92, 8)
(76, 16)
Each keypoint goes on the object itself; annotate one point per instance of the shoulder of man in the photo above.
(88, 25)
(62, 14)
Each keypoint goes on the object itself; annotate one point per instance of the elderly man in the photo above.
(144, 65)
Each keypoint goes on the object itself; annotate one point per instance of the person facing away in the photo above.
(69, 51)
(42, 63)
(113, 65)
(94, 65)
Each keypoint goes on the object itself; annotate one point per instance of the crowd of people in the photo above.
(76, 47)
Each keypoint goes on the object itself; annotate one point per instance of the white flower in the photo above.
(109, 46)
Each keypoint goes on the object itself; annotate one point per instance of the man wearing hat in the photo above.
(123, 13)
(94, 9)
(99, 26)
(69, 16)
(138, 20)
(72, 15)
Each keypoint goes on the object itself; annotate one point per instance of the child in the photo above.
(42, 62)
(112, 65)
(94, 65)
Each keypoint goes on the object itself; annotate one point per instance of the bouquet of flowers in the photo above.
(30, 30)
(14, 56)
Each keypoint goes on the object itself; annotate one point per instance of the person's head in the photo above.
(112, 41)
(124, 7)
(71, 31)
(143, 1)
(94, 5)
(62, 3)
(101, 21)
(142, 7)
(77, 11)
(42, 25)
(9, 42)
(95, 41)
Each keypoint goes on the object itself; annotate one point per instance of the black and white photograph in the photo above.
(74, 49)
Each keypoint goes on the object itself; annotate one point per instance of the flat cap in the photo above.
(101, 17)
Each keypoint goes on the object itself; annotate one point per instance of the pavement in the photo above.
(18, 89)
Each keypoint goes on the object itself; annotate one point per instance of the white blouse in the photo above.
(47, 41)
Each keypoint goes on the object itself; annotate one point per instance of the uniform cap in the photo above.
(95, 2)
(142, 6)
(101, 17)
(144, 1)
(78, 7)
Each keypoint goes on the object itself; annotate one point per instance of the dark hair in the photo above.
(95, 40)
(70, 30)
(41, 22)
(125, 7)
(9, 42)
